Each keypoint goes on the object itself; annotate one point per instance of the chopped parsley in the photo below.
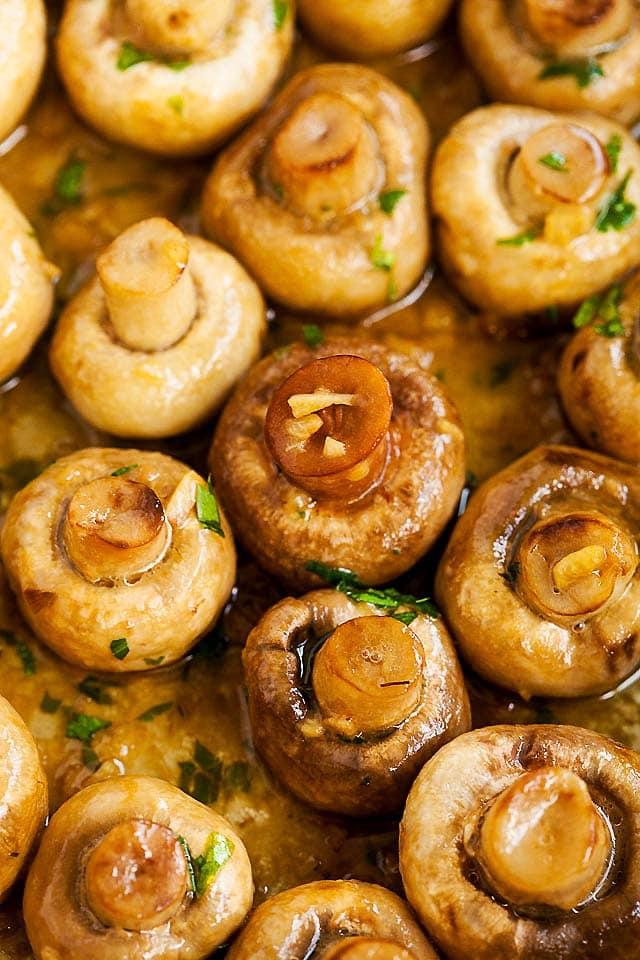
(94, 689)
(388, 200)
(238, 776)
(380, 258)
(613, 148)
(528, 236)
(603, 308)
(24, 652)
(201, 778)
(130, 55)
(617, 212)
(555, 161)
(512, 572)
(154, 661)
(312, 334)
(90, 758)
(69, 181)
(122, 470)
(280, 11)
(49, 704)
(176, 103)
(390, 599)
(216, 853)
(119, 648)
(584, 70)
(189, 860)
(82, 726)
(207, 510)
(155, 711)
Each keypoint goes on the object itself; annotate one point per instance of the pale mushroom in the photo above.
(23, 28)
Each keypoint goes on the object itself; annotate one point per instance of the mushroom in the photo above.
(176, 77)
(131, 868)
(323, 197)
(524, 841)
(363, 29)
(540, 582)
(153, 343)
(557, 54)
(120, 559)
(347, 703)
(349, 454)
(599, 374)
(23, 795)
(520, 192)
(23, 30)
(333, 920)
(26, 287)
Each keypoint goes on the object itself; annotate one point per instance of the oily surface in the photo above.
(505, 391)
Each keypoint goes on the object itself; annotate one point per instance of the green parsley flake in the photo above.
(280, 11)
(24, 652)
(155, 711)
(390, 599)
(82, 726)
(207, 510)
(121, 472)
(519, 240)
(130, 55)
(177, 65)
(216, 853)
(380, 258)
(69, 181)
(605, 309)
(617, 212)
(389, 199)
(49, 704)
(555, 161)
(176, 103)
(613, 148)
(312, 334)
(93, 688)
(154, 661)
(119, 648)
(189, 860)
(585, 71)
(90, 758)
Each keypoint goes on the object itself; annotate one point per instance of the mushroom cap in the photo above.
(23, 794)
(181, 111)
(439, 878)
(57, 917)
(132, 393)
(499, 635)
(327, 270)
(24, 25)
(327, 911)
(324, 769)
(473, 213)
(162, 613)
(379, 536)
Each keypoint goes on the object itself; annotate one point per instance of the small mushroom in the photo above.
(132, 868)
(362, 29)
(346, 703)
(520, 192)
(540, 582)
(153, 343)
(333, 920)
(323, 197)
(557, 54)
(120, 559)
(524, 841)
(599, 375)
(349, 454)
(23, 795)
(175, 77)
(23, 29)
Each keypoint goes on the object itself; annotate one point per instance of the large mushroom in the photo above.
(172, 76)
(524, 842)
(23, 28)
(346, 703)
(350, 454)
(120, 559)
(520, 192)
(540, 582)
(323, 197)
(153, 343)
(132, 868)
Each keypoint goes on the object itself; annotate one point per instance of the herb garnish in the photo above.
(155, 711)
(176, 103)
(119, 648)
(389, 199)
(82, 726)
(189, 859)
(130, 55)
(49, 704)
(613, 148)
(390, 599)
(93, 688)
(154, 661)
(617, 212)
(207, 509)
(24, 652)
(519, 240)
(203, 776)
(380, 258)
(585, 70)
(122, 470)
(312, 334)
(605, 308)
(216, 853)
(280, 10)
(68, 182)
(555, 161)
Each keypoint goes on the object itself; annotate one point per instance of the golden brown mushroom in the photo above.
(540, 582)
(132, 868)
(523, 841)
(349, 454)
(333, 920)
(154, 342)
(23, 795)
(599, 374)
(120, 559)
(522, 193)
(23, 26)
(323, 197)
(362, 29)
(172, 76)
(557, 54)
(347, 703)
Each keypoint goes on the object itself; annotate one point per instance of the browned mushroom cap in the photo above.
(23, 795)
(333, 920)
(557, 54)
(323, 198)
(347, 703)
(540, 582)
(131, 868)
(110, 561)
(525, 841)
(599, 377)
(392, 525)
(23, 25)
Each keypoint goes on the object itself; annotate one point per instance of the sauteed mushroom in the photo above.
(172, 76)
(131, 868)
(346, 703)
(520, 192)
(153, 343)
(323, 197)
(349, 454)
(540, 582)
(333, 920)
(523, 841)
(120, 559)
(24, 25)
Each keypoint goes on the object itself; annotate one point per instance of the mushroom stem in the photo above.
(136, 877)
(367, 677)
(151, 297)
(366, 948)
(177, 27)
(576, 27)
(544, 841)
(114, 528)
(323, 160)
(572, 564)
